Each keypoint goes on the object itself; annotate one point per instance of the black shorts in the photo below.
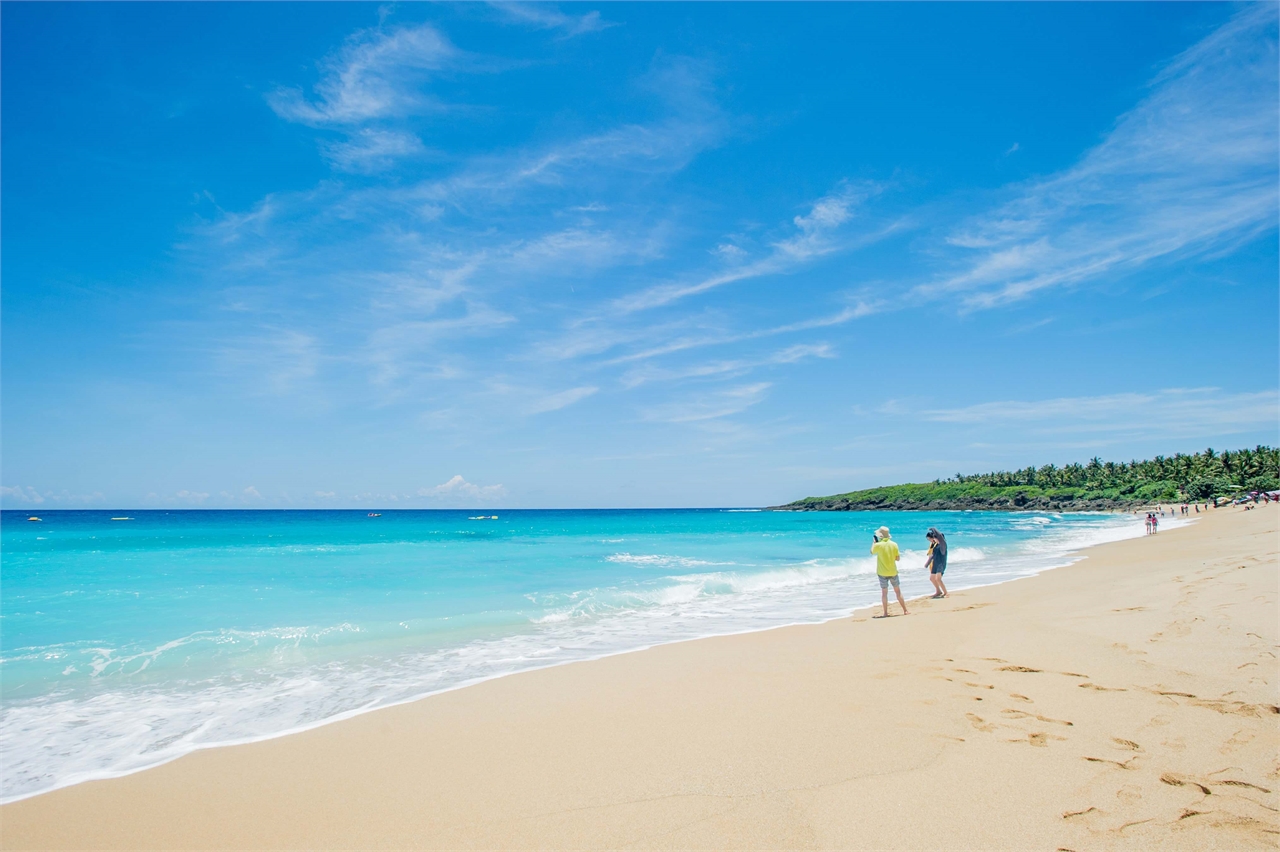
(936, 570)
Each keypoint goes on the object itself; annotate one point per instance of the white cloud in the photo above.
(458, 490)
(1190, 170)
(192, 496)
(544, 16)
(250, 493)
(376, 75)
(725, 368)
(817, 233)
(681, 344)
(563, 399)
(373, 150)
(20, 494)
(709, 406)
(327, 495)
(1191, 411)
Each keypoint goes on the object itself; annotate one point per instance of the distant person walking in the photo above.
(886, 553)
(936, 561)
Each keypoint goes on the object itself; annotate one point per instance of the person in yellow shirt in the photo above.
(886, 553)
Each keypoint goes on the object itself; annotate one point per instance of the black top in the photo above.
(939, 555)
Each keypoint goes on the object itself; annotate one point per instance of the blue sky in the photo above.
(626, 255)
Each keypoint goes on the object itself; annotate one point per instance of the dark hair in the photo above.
(934, 534)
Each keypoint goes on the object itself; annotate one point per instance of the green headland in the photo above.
(1096, 485)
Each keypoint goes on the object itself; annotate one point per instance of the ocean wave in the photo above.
(127, 722)
(658, 560)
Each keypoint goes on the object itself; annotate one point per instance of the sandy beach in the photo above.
(1126, 701)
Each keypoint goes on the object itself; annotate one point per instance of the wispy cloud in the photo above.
(564, 399)
(1184, 410)
(726, 368)
(373, 150)
(408, 274)
(709, 406)
(816, 233)
(685, 342)
(545, 16)
(377, 74)
(566, 262)
(1191, 169)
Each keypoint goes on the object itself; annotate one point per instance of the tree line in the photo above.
(1198, 476)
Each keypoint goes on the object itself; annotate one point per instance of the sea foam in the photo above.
(81, 710)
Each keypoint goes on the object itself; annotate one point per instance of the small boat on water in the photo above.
(33, 518)
(375, 514)
(122, 519)
(483, 518)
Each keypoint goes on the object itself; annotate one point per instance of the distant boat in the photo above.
(33, 518)
(122, 519)
(483, 518)
(375, 514)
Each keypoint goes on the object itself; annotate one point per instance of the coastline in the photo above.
(46, 746)
(776, 738)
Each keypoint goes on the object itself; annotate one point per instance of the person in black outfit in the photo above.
(937, 561)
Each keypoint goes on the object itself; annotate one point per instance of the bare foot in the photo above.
(886, 615)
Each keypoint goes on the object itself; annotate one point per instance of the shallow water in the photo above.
(128, 643)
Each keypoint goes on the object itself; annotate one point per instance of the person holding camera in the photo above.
(886, 553)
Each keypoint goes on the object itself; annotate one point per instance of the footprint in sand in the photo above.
(1129, 794)
(1238, 740)
(979, 723)
(1039, 739)
(1019, 714)
(1230, 782)
(1174, 780)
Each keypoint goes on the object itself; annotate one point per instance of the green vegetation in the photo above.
(1096, 485)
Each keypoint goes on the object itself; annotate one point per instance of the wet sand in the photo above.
(1127, 701)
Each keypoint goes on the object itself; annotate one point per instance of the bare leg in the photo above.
(897, 592)
(884, 601)
(941, 585)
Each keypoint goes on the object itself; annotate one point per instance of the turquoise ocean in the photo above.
(127, 643)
